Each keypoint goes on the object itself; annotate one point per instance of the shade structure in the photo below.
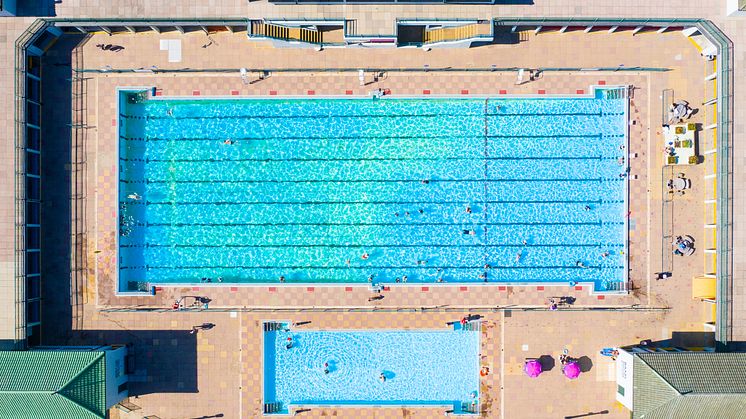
(532, 368)
(571, 370)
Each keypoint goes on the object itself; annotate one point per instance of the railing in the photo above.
(20, 253)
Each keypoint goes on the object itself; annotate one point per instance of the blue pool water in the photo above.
(308, 186)
(421, 367)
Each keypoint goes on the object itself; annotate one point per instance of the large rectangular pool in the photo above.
(508, 190)
(425, 368)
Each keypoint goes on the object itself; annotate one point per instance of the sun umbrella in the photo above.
(571, 370)
(532, 368)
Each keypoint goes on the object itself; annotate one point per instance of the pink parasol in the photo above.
(571, 370)
(532, 368)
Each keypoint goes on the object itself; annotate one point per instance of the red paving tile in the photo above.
(542, 92)
(234, 92)
(502, 288)
(348, 289)
(386, 288)
(539, 288)
(503, 92)
(348, 92)
(601, 297)
(578, 288)
(195, 288)
(580, 91)
(114, 122)
(425, 288)
(464, 92)
(273, 92)
(159, 92)
(272, 289)
(234, 289)
(426, 92)
(311, 92)
(463, 288)
(602, 82)
(310, 289)
(195, 93)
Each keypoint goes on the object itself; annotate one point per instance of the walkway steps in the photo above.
(285, 33)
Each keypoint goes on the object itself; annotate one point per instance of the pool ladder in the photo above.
(274, 326)
(272, 407)
(467, 407)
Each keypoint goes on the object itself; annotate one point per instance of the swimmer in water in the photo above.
(382, 378)
(468, 209)
(228, 142)
(518, 256)
(326, 368)
(365, 256)
(170, 112)
(135, 196)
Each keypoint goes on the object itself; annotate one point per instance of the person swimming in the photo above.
(289, 343)
(326, 368)
(382, 378)
(365, 256)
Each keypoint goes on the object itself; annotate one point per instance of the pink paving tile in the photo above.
(602, 82)
(195, 93)
(113, 122)
(273, 92)
(463, 288)
(539, 288)
(464, 91)
(601, 297)
(542, 92)
(272, 289)
(310, 289)
(234, 92)
(580, 91)
(503, 92)
(311, 92)
(425, 288)
(578, 288)
(502, 288)
(348, 92)
(234, 289)
(426, 92)
(348, 289)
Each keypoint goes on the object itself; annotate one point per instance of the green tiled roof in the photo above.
(696, 385)
(52, 384)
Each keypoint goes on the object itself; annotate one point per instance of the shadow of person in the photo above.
(547, 362)
(585, 363)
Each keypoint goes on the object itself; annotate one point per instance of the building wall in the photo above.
(116, 375)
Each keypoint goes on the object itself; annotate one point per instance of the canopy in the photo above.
(571, 370)
(532, 368)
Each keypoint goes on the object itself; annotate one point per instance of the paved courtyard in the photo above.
(182, 375)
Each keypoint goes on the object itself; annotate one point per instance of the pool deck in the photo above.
(652, 310)
(183, 375)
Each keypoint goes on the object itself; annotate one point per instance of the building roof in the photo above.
(52, 384)
(686, 385)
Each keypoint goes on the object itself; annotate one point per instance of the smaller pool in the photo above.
(323, 368)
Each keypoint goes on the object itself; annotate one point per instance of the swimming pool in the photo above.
(506, 190)
(423, 367)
